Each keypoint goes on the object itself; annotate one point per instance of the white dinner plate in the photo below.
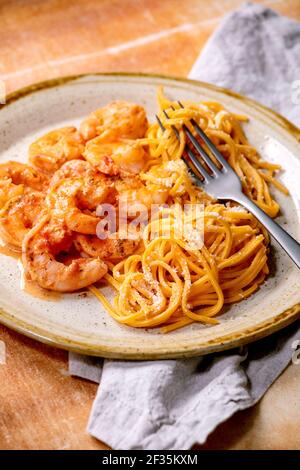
(78, 321)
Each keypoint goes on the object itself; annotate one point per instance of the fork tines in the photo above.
(192, 160)
(205, 166)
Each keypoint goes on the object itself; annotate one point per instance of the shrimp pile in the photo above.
(48, 206)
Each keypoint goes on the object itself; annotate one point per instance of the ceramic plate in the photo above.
(78, 322)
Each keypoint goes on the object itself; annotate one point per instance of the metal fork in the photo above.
(224, 184)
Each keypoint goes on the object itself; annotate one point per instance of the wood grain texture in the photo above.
(44, 39)
(41, 407)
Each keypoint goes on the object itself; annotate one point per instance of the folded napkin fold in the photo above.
(172, 404)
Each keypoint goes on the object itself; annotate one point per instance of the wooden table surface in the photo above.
(41, 406)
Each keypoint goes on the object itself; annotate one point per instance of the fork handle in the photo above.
(288, 243)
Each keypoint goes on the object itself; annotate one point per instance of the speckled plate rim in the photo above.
(244, 336)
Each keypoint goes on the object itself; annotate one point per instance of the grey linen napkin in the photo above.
(172, 404)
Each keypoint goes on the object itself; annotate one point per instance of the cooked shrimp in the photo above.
(19, 215)
(72, 169)
(9, 190)
(75, 198)
(20, 173)
(52, 150)
(115, 120)
(109, 248)
(40, 249)
(133, 193)
(65, 202)
(80, 169)
(123, 158)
